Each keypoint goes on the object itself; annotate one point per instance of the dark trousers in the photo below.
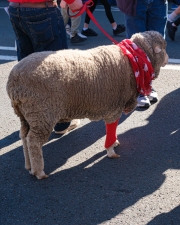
(107, 8)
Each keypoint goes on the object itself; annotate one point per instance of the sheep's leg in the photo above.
(111, 139)
(23, 135)
(35, 141)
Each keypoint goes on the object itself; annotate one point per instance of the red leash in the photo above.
(85, 7)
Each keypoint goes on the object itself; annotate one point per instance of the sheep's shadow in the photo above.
(173, 215)
(10, 139)
(98, 189)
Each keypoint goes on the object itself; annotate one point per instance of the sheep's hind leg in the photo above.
(35, 141)
(23, 135)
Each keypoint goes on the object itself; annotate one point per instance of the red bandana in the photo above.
(141, 65)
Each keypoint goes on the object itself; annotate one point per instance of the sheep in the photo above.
(99, 84)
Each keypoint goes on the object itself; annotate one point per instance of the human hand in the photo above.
(75, 5)
(63, 4)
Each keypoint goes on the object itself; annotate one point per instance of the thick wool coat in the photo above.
(99, 83)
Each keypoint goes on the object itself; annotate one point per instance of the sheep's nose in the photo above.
(165, 61)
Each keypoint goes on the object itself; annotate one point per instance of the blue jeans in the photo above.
(38, 30)
(150, 15)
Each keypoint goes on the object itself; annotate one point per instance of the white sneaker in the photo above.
(143, 101)
(68, 29)
(153, 97)
(81, 35)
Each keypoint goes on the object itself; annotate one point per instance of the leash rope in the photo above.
(84, 8)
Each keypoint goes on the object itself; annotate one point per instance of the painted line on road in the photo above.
(7, 48)
(7, 57)
(175, 61)
(167, 67)
(171, 67)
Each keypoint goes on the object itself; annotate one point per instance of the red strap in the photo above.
(85, 7)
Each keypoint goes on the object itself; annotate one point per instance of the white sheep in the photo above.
(50, 87)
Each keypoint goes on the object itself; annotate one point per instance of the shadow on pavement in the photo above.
(90, 195)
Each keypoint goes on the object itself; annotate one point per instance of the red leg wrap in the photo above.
(111, 136)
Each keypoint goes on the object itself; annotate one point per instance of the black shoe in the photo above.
(60, 128)
(171, 30)
(77, 39)
(89, 32)
(119, 29)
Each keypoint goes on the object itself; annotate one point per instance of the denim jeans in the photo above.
(150, 15)
(38, 30)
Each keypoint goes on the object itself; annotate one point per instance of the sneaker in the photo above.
(77, 38)
(153, 97)
(81, 35)
(68, 29)
(174, 6)
(68, 126)
(143, 101)
(89, 32)
(171, 30)
(119, 29)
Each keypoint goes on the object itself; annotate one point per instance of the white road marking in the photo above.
(13, 58)
(7, 57)
(175, 61)
(7, 48)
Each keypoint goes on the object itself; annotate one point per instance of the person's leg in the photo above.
(137, 23)
(76, 36)
(23, 41)
(75, 23)
(157, 16)
(117, 28)
(86, 30)
(173, 16)
(45, 27)
(65, 15)
(172, 28)
(87, 18)
(177, 22)
(108, 12)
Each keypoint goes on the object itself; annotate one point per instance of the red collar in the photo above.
(141, 65)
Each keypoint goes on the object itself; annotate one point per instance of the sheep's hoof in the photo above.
(110, 151)
(117, 143)
(113, 156)
(39, 176)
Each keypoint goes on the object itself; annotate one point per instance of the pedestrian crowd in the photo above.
(41, 25)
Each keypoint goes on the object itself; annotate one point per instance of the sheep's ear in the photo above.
(157, 49)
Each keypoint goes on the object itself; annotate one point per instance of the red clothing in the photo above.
(27, 1)
(141, 65)
(38, 1)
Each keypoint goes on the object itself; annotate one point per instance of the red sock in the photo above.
(111, 136)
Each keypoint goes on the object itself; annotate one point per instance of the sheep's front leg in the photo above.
(34, 143)
(111, 139)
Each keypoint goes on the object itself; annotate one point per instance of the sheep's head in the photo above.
(154, 45)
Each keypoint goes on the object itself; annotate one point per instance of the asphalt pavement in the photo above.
(142, 187)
